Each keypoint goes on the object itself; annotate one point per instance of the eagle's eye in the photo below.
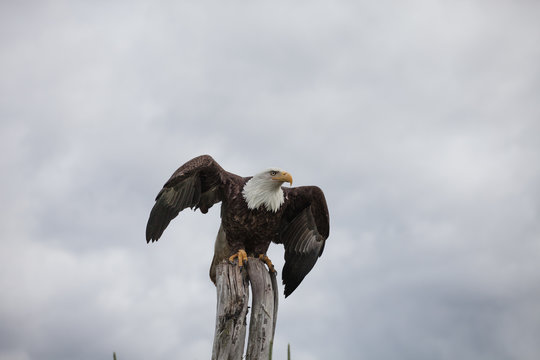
(273, 173)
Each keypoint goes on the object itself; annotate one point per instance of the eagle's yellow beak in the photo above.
(283, 176)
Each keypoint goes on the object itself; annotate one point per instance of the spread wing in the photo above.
(305, 228)
(197, 184)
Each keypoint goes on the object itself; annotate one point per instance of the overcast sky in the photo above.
(420, 120)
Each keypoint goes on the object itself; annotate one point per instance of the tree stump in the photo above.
(232, 306)
(232, 285)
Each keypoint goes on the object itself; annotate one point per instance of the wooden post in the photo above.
(232, 305)
(232, 298)
(262, 322)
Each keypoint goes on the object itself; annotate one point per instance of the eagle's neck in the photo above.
(259, 192)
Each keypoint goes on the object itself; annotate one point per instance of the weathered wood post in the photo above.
(232, 306)
(232, 284)
(263, 311)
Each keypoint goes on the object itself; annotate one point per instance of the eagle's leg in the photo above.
(241, 255)
(267, 261)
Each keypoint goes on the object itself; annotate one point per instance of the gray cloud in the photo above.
(418, 120)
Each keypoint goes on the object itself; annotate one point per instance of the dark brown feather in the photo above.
(305, 228)
(196, 184)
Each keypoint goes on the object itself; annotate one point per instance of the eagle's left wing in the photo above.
(199, 184)
(305, 228)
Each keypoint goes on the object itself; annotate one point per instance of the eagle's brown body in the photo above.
(239, 221)
(300, 223)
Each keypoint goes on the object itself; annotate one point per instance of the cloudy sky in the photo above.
(420, 120)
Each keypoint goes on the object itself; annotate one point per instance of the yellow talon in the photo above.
(267, 261)
(241, 255)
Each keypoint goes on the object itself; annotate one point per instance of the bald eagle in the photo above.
(255, 211)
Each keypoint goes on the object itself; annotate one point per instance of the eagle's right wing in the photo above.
(198, 184)
(305, 228)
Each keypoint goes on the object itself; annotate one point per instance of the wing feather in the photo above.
(196, 184)
(304, 232)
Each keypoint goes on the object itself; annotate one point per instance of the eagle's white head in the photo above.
(265, 189)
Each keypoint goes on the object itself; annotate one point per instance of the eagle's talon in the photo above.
(241, 255)
(267, 261)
